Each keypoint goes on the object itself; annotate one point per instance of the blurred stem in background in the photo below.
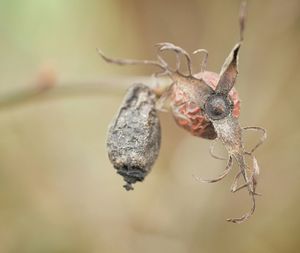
(48, 87)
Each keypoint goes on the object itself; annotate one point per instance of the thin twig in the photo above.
(40, 92)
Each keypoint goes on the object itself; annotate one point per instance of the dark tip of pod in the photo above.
(133, 140)
(131, 175)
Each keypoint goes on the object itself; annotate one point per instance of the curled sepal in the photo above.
(129, 61)
(229, 71)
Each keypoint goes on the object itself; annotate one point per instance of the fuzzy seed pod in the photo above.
(134, 135)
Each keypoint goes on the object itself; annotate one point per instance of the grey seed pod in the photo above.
(134, 135)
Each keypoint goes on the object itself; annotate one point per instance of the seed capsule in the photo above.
(134, 135)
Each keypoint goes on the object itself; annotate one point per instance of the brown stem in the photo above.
(40, 92)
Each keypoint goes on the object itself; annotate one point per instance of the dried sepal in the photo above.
(230, 133)
(178, 50)
(229, 69)
(221, 176)
(229, 72)
(204, 60)
(211, 152)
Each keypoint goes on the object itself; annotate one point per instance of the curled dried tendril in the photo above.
(251, 173)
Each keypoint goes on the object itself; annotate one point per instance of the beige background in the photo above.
(58, 191)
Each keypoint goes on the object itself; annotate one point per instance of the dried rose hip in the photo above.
(134, 135)
(207, 105)
(189, 114)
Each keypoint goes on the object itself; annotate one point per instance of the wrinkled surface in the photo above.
(188, 113)
(134, 135)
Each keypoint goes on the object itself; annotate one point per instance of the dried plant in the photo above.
(207, 105)
(133, 140)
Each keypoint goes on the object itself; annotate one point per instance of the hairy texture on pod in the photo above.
(134, 135)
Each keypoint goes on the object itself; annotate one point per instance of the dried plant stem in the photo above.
(40, 92)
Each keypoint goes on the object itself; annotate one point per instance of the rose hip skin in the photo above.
(185, 104)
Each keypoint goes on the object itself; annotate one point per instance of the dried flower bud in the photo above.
(134, 136)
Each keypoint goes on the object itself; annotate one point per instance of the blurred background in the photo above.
(58, 190)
